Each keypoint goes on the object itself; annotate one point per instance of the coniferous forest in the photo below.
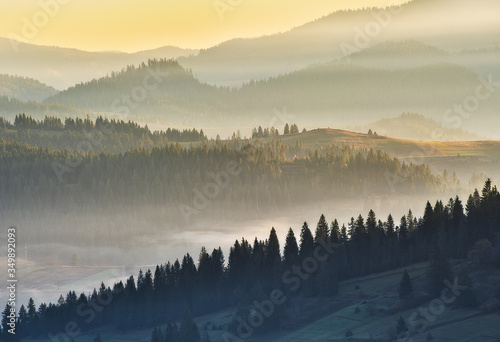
(53, 167)
(250, 171)
(196, 285)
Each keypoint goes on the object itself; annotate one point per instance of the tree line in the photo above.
(180, 180)
(109, 135)
(364, 246)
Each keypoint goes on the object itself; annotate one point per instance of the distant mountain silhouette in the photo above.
(24, 89)
(63, 67)
(448, 24)
(452, 25)
(330, 93)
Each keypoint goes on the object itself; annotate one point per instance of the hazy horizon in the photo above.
(157, 24)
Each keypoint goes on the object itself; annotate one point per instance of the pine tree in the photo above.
(427, 221)
(403, 233)
(390, 228)
(405, 287)
(371, 224)
(306, 242)
(170, 333)
(291, 250)
(22, 322)
(286, 130)
(401, 326)
(321, 229)
(335, 234)
(273, 248)
(188, 331)
(343, 234)
(439, 271)
(32, 315)
(156, 335)
(98, 338)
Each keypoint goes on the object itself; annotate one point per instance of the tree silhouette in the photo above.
(405, 287)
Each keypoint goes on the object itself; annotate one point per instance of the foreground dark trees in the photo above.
(254, 270)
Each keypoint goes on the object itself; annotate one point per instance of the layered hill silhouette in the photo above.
(63, 67)
(325, 94)
(24, 89)
(452, 25)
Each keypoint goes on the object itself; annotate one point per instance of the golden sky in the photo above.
(133, 25)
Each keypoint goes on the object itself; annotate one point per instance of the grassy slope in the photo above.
(462, 157)
(378, 291)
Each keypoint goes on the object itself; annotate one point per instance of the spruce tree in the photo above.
(439, 271)
(156, 335)
(188, 331)
(286, 130)
(401, 326)
(291, 250)
(405, 287)
(306, 242)
(322, 229)
(273, 248)
(335, 234)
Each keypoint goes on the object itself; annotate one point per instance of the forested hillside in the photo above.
(10, 107)
(333, 93)
(24, 89)
(161, 88)
(103, 135)
(255, 270)
(226, 177)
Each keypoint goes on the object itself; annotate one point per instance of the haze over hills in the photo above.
(465, 158)
(63, 67)
(414, 127)
(24, 89)
(380, 110)
(329, 94)
(451, 25)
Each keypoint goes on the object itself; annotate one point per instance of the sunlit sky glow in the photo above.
(128, 25)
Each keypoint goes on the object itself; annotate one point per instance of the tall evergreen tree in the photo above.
(405, 287)
(291, 250)
(322, 229)
(156, 335)
(188, 331)
(306, 242)
(401, 326)
(439, 271)
(273, 247)
(335, 234)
